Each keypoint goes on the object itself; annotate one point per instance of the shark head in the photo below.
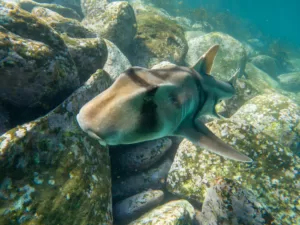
(147, 104)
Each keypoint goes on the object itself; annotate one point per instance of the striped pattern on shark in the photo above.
(147, 104)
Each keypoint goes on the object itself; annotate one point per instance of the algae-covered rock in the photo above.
(290, 81)
(37, 72)
(28, 5)
(71, 27)
(133, 207)
(179, 212)
(91, 7)
(52, 172)
(141, 156)
(230, 57)
(260, 80)
(89, 54)
(227, 202)
(244, 92)
(273, 114)
(153, 178)
(158, 39)
(116, 62)
(273, 177)
(266, 64)
(116, 24)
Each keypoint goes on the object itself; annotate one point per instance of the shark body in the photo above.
(147, 104)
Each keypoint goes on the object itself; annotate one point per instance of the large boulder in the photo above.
(116, 62)
(179, 212)
(28, 5)
(73, 28)
(227, 202)
(92, 7)
(117, 24)
(275, 115)
(52, 171)
(37, 71)
(128, 185)
(273, 177)
(231, 55)
(267, 64)
(133, 207)
(259, 80)
(89, 54)
(158, 38)
(290, 81)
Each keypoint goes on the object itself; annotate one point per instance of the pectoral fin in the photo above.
(203, 137)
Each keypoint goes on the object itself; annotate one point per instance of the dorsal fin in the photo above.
(205, 63)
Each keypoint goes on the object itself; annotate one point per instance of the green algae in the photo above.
(162, 37)
(272, 177)
(65, 173)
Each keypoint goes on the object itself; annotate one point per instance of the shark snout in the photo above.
(87, 129)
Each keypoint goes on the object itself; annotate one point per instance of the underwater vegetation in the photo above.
(57, 55)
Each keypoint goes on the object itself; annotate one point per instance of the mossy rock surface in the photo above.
(275, 115)
(37, 71)
(158, 39)
(231, 55)
(227, 202)
(179, 212)
(89, 54)
(52, 172)
(28, 5)
(73, 28)
(116, 62)
(290, 81)
(260, 80)
(117, 24)
(93, 7)
(267, 64)
(273, 177)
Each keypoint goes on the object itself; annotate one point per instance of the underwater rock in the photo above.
(179, 212)
(133, 207)
(189, 35)
(266, 64)
(294, 63)
(116, 62)
(231, 55)
(150, 179)
(89, 54)
(251, 52)
(273, 177)
(141, 156)
(158, 39)
(227, 202)
(71, 27)
(260, 80)
(4, 120)
(273, 114)
(290, 81)
(91, 7)
(244, 92)
(116, 24)
(28, 5)
(162, 64)
(53, 171)
(72, 4)
(37, 71)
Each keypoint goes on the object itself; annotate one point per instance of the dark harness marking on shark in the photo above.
(148, 115)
